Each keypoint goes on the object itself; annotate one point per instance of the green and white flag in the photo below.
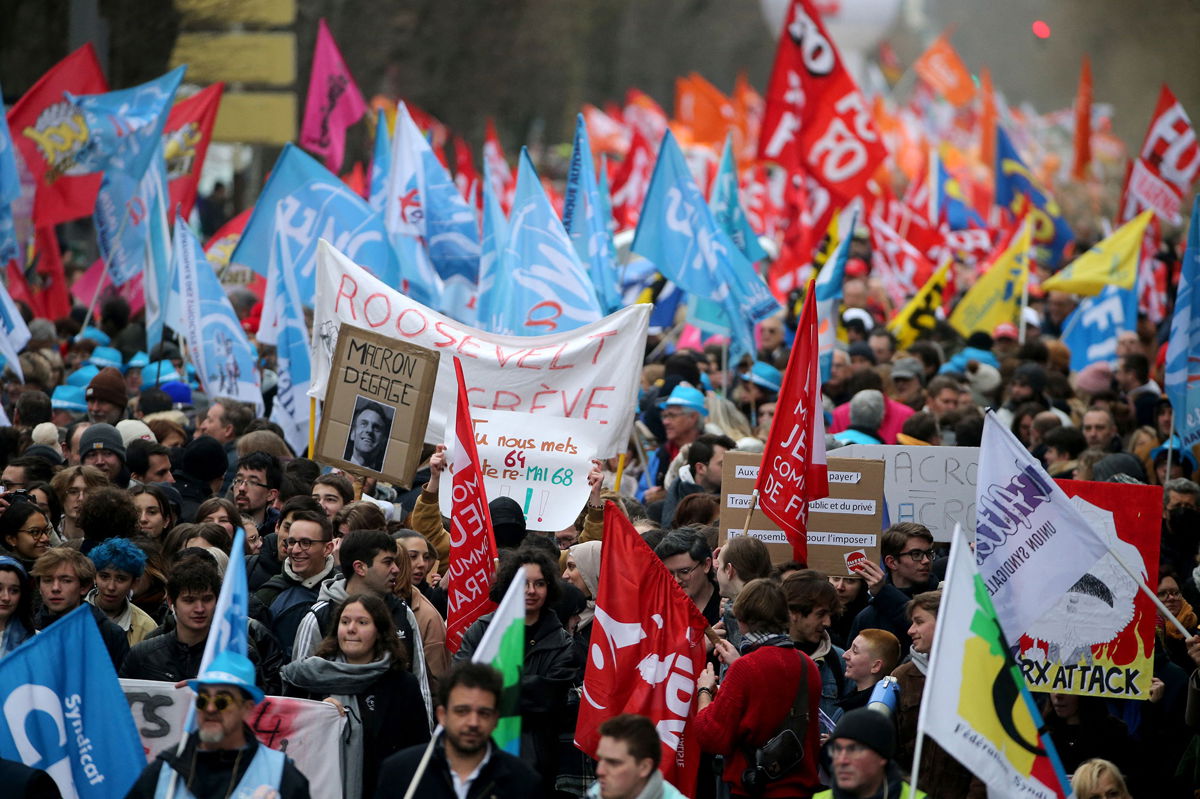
(503, 648)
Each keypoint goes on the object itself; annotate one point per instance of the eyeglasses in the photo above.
(847, 749)
(918, 555)
(246, 481)
(303, 543)
(675, 414)
(12, 485)
(219, 703)
(1169, 593)
(683, 573)
(37, 532)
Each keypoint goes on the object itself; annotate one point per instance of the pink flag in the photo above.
(334, 102)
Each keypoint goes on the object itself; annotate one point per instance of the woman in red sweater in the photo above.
(757, 694)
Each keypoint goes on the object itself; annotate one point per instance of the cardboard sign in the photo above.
(376, 406)
(933, 486)
(843, 529)
(542, 462)
(1098, 640)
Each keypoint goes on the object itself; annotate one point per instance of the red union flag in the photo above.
(646, 650)
(472, 544)
(1165, 168)
(793, 471)
(185, 143)
(815, 116)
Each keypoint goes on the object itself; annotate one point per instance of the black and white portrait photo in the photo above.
(366, 444)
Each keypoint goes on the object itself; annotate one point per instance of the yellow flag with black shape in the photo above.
(1112, 262)
(920, 314)
(996, 295)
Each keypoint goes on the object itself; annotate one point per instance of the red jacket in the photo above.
(749, 708)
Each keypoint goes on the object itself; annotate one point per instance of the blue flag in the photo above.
(124, 126)
(727, 208)
(303, 202)
(677, 232)
(1091, 330)
(10, 190)
(828, 287)
(232, 612)
(951, 203)
(495, 239)
(1014, 181)
(381, 164)
(585, 222)
(1183, 346)
(541, 286)
(64, 711)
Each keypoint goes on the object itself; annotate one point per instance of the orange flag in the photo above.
(941, 68)
(1083, 122)
(987, 119)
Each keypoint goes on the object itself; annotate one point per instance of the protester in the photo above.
(741, 560)
(333, 491)
(701, 474)
(25, 530)
(576, 771)
(119, 563)
(16, 605)
(689, 560)
(291, 594)
(907, 550)
(1099, 779)
(256, 489)
(811, 603)
(64, 576)
(862, 751)
(627, 760)
(872, 656)
(154, 510)
(852, 595)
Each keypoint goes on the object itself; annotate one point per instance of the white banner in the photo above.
(590, 373)
(310, 733)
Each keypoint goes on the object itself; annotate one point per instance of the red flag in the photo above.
(816, 118)
(810, 209)
(334, 102)
(1164, 170)
(1083, 122)
(901, 267)
(646, 650)
(49, 132)
(18, 286)
(504, 185)
(465, 176)
(51, 300)
(185, 143)
(793, 470)
(472, 544)
(644, 115)
(631, 180)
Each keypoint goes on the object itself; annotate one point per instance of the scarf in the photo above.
(587, 560)
(1187, 617)
(920, 660)
(316, 579)
(752, 641)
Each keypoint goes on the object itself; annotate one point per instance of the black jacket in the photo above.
(214, 771)
(22, 782)
(502, 777)
(161, 656)
(192, 492)
(289, 602)
(115, 639)
(265, 565)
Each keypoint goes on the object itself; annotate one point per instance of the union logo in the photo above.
(61, 135)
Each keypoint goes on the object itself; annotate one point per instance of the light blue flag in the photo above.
(65, 713)
(541, 286)
(129, 218)
(1183, 346)
(1013, 179)
(14, 334)
(125, 126)
(381, 164)
(1091, 330)
(678, 233)
(303, 202)
(585, 222)
(727, 207)
(707, 315)
(225, 362)
(828, 287)
(495, 239)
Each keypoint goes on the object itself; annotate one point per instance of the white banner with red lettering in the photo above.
(590, 373)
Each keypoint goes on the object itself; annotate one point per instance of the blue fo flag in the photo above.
(1091, 330)
(124, 126)
(678, 233)
(727, 208)
(828, 288)
(585, 222)
(303, 202)
(1183, 346)
(64, 711)
(381, 163)
(952, 204)
(541, 286)
(1016, 185)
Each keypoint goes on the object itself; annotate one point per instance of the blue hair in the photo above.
(120, 554)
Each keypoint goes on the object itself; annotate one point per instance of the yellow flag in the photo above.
(1112, 262)
(920, 313)
(996, 296)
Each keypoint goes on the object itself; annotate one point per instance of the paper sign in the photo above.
(1098, 640)
(847, 522)
(540, 461)
(933, 486)
(376, 406)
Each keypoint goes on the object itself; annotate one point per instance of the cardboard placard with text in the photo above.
(376, 406)
(843, 529)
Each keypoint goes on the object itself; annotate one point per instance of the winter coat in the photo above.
(161, 656)
(265, 565)
(289, 598)
(503, 776)
(115, 640)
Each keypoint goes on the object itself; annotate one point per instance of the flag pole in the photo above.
(750, 513)
(1024, 291)
(1145, 589)
(312, 426)
(620, 473)
(416, 780)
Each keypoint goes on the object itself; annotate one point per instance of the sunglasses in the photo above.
(220, 702)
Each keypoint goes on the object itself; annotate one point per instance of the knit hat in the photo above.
(866, 409)
(1117, 463)
(983, 380)
(1032, 375)
(204, 458)
(1094, 378)
(508, 522)
(869, 727)
(135, 430)
(102, 436)
(46, 435)
(863, 350)
(107, 386)
(51, 456)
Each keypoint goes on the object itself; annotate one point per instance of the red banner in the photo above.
(793, 471)
(1166, 166)
(185, 143)
(465, 176)
(646, 650)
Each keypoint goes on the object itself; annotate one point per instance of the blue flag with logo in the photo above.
(1014, 182)
(951, 203)
(1091, 330)
(541, 286)
(232, 612)
(124, 126)
(585, 222)
(678, 233)
(64, 711)
(132, 223)
(1183, 345)
(301, 203)
(381, 164)
(727, 207)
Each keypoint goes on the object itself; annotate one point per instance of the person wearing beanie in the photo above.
(866, 414)
(101, 446)
(508, 522)
(861, 752)
(1028, 384)
(106, 396)
(200, 474)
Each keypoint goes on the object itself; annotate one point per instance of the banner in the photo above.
(310, 733)
(1098, 639)
(591, 373)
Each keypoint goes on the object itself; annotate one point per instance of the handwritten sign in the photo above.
(542, 463)
(843, 528)
(377, 405)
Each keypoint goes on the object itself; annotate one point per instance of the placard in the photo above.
(933, 486)
(376, 406)
(843, 528)
(540, 461)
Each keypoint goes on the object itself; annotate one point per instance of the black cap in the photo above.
(870, 728)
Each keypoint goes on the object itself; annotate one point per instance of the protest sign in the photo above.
(376, 405)
(590, 373)
(933, 486)
(843, 528)
(541, 462)
(308, 732)
(1098, 640)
